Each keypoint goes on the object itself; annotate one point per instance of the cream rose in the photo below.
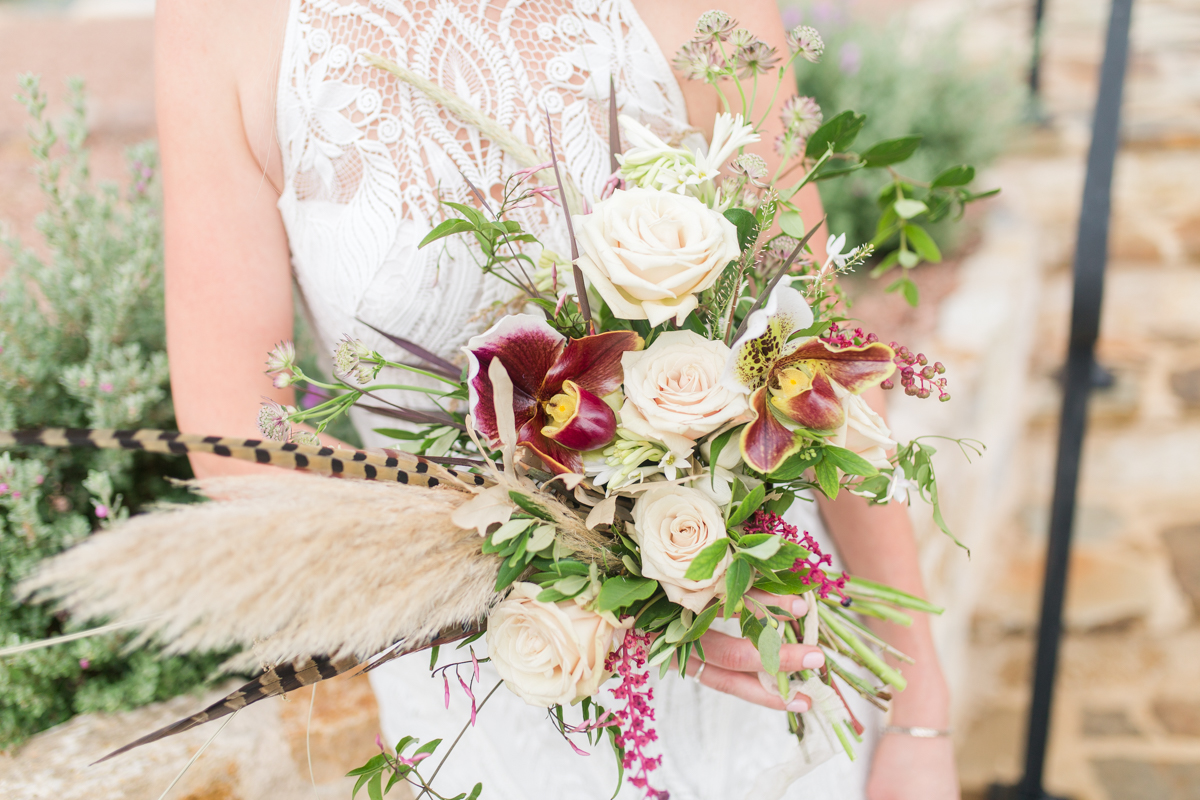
(648, 253)
(864, 432)
(550, 653)
(673, 390)
(672, 524)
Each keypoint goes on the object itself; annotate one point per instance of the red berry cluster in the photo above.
(918, 377)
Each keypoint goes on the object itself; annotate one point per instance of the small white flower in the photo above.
(273, 421)
(807, 42)
(350, 359)
(833, 250)
(306, 437)
(899, 486)
(282, 358)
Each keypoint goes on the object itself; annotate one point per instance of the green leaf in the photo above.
(907, 208)
(433, 655)
(428, 747)
(717, 447)
(475, 792)
(827, 478)
(923, 243)
(375, 786)
(447, 228)
(737, 581)
(838, 132)
(891, 151)
(550, 596)
(508, 573)
(702, 623)
(623, 591)
(849, 462)
(543, 537)
(969, 197)
(469, 212)
(795, 465)
(745, 223)
(529, 505)
(572, 585)
(705, 563)
(751, 626)
(769, 644)
(786, 556)
(829, 170)
(908, 288)
(908, 259)
(791, 224)
(742, 511)
(510, 529)
(955, 176)
(782, 503)
(761, 545)
(396, 433)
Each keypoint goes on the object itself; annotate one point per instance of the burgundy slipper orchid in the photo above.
(802, 381)
(558, 386)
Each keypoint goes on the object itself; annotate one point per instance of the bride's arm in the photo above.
(228, 275)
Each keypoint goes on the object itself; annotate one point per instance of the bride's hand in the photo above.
(732, 664)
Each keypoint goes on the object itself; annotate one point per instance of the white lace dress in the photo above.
(367, 163)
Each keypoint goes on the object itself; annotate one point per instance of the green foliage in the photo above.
(962, 116)
(81, 345)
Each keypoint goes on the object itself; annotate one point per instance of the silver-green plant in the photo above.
(81, 345)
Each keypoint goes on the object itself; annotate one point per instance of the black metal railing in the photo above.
(1091, 257)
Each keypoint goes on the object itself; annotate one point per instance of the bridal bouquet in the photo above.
(607, 471)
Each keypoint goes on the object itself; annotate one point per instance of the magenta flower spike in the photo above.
(558, 386)
(801, 381)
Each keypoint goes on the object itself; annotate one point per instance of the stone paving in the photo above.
(1127, 713)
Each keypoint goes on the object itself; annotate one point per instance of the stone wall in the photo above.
(1126, 721)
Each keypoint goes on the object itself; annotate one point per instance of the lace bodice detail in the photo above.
(368, 160)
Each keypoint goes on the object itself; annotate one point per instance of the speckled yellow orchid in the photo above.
(801, 381)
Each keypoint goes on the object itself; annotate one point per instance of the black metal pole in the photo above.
(1035, 63)
(1091, 255)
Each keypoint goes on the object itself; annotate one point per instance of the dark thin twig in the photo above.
(762, 298)
(407, 414)
(580, 289)
(435, 362)
(452, 461)
(614, 130)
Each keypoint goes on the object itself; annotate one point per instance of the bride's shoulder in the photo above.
(221, 56)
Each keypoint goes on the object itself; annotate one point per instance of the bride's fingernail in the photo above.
(798, 706)
(813, 660)
(799, 607)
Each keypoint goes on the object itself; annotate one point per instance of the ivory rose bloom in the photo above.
(674, 392)
(648, 253)
(672, 524)
(864, 432)
(550, 653)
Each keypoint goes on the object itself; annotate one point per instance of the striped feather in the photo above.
(273, 682)
(395, 466)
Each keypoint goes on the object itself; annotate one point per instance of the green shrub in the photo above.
(965, 114)
(81, 345)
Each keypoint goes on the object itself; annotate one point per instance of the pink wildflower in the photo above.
(84, 663)
(101, 511)
(106, 388)
(3, 488)
(629, 662)
(814, 572)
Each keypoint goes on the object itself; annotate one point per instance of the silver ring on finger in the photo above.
(700, 671)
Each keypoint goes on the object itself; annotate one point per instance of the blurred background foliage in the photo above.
(905, 84)
(81, 345)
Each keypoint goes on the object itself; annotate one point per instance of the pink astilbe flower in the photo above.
(813, 567)
(635, 734)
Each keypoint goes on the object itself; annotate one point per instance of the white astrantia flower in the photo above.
(273, 421)
(651, 163)
(351, 359)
